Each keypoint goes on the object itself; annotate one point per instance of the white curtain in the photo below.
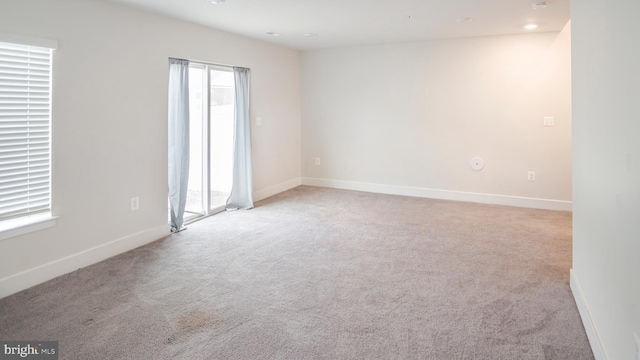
(178, 140)
(241, 190)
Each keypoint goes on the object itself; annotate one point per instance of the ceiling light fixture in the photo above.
(310, 35)
(215, 2)
(539, 5)
(530, 26)
(272, 33)
(464, 20)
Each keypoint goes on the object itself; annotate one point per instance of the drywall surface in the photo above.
(606, 169)
(110, 118)
(413, 115)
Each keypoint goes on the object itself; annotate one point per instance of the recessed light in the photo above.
(464, 20)
(539, 5)
(215, 2)
(272, 33)
(309, 34)
(530, 26)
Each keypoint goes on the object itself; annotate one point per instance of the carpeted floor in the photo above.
(318, 273)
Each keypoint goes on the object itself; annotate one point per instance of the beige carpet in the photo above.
(318, 273)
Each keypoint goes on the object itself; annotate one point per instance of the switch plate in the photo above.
(548, 121)
(531, 175)
(135, 203)
(637, 339)
(259, 121)
(317, 161)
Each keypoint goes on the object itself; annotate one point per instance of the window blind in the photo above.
(25, 118)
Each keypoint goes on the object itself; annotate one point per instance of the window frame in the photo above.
(30, 222)
(208, 209)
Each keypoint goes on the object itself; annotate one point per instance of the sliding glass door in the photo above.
(211, 107)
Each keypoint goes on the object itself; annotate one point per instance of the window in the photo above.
(25, 146)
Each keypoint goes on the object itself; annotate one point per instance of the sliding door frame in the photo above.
(206, 140)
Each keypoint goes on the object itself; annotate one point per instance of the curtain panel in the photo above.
(241, 196)
(178, 140)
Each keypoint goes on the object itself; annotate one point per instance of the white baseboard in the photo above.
(442, 194)
(592, 333)
(276, 189)
(26, 279)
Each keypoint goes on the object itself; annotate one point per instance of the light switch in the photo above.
(259, 121)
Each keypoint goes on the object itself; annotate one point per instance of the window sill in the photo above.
(25, 225)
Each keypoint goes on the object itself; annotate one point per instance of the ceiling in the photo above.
(339, 23)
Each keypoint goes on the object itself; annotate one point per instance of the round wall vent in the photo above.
(476, 163)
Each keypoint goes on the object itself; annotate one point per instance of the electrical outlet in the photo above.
(637, 339)
(135, 203)
(531, 175)
(548, 121)
(317, 161)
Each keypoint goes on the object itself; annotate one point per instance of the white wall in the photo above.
(110, 125)
(413, 115)
(606, 172)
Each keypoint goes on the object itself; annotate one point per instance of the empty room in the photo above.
(243, 179)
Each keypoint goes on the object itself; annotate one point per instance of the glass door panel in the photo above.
(195, 189)
(222, 100)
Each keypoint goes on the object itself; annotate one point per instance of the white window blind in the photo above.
(25, 118)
